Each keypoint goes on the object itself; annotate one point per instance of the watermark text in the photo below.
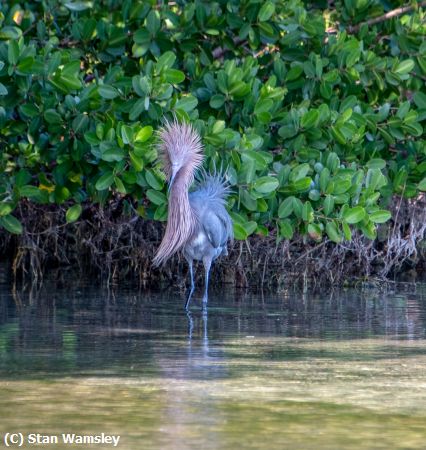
(18, 439)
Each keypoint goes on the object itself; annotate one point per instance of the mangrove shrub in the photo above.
(316, 114)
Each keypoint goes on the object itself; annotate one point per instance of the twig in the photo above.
(310, 251)
(220, 51)
(389, 15)
(417, 75)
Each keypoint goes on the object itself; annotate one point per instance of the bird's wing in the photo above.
(212, 216)
(216, 226)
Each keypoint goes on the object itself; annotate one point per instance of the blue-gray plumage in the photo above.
(214, 227)
(198, 223)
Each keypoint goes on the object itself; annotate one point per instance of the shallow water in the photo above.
(341, 370)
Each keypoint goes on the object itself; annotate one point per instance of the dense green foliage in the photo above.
(318, 123)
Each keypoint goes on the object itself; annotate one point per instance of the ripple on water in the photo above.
(345, 370)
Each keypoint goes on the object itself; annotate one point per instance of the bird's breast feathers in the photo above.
(199, 239)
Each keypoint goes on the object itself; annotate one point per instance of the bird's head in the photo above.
(181, 149)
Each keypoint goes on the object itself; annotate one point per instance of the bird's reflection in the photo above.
(205, 337)
(190, 324)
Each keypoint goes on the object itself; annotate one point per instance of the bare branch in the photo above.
(389, 15)
(220, 51)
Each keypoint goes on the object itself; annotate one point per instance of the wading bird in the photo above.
(198, 223)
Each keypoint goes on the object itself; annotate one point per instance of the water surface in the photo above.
(343, 369)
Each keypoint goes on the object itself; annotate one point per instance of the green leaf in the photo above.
(13, 52)
(314, 195)
(11, 224)
(346, 231)
(239, 89)
(32, 192)
(80, 122)
(294, 73)
(3, 89)
(165, 61)
(217, 101)
(174, 76)
(120, 185)
(266, 11)
(156, 197)
(328, 205)
(338, 135)
(51, 116)
(161, 213)
(153, 22)
(5, 209)
(142, 86)
(137, 161)
(248, 201)
(324, 179)
(186, 103)
(310, 119)
(380, 216)
(376, 163)
(302, 185)
(315, 231)
(218, 126)
(263, 105)
(108, 92)
(297, 207)
(73, 213)
(354, 215)
(127, 134)
(153, 180)
(420, 100)
(78, 6)
(113, 154)
(91, 138)
(341, 185)
(404, 67)
(286, 229)
(422, 185)
(239, 232)
(142, 37)
(300, 171)
(250, 227)
(285, 208)
(105, 181)
(144, 134)
(369, 230)
(265, 185)
(22, 177)
(69, 75)
(375, 179)
(307, 212)
(333, 232)
(137, 109)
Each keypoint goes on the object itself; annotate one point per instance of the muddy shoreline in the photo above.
(110, 247)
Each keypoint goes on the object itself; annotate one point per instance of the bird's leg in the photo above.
(207, 264)
(191, 273)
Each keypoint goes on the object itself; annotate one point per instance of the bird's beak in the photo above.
(171, 181)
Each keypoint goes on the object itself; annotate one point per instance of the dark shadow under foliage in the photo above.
(113, 247)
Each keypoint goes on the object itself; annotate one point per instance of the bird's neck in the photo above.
(181, 222)
(179, 206)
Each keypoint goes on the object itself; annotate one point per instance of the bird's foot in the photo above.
(189, 299)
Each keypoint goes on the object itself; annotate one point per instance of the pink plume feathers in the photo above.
(181, 148)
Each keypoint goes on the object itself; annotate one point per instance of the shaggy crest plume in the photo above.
(181, 149)
(213, 185)
(179, 144)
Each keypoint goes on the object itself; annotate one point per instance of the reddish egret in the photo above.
(198, 223)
